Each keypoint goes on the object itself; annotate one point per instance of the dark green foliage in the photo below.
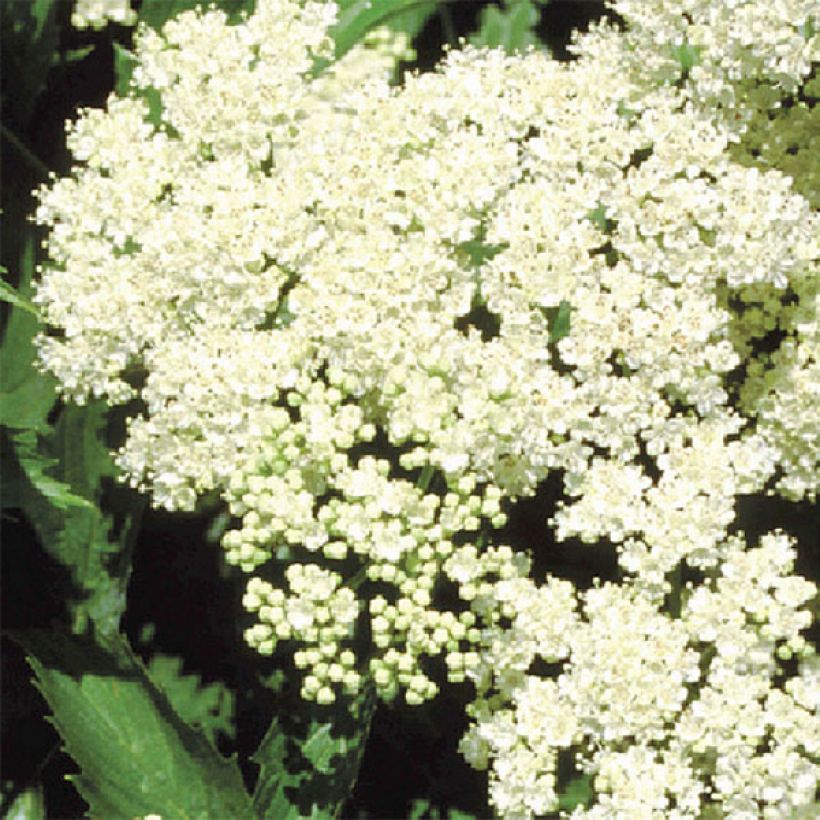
(357, 17)
(33, 466)
(55, 476)
(687, 55)
(136, 755)
(30, 36)
(597, 216)
(577, 792)
(511, 27)
(476, 252)
(309, 759)
(10, 295)
(53, 473)
(210, 708)
(26, 396)
(155, 13)
(558, 320)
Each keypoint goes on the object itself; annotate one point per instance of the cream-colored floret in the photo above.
(96, 14)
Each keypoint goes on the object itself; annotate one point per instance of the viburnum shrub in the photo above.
(372, 316)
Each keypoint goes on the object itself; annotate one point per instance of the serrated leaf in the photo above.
(209, 708)
(511, 28)
(78, 442)
(136, 755)
(309, 759)
(358, 17)
(34, 465)
(59, 494)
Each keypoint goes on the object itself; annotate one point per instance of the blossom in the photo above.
(336, 301)
(97, 13)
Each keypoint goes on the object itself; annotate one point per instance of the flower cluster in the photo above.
(97, 13)
(339, 302)
(669, 714)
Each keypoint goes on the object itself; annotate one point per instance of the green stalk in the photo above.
(673, 599)
(426, 477)
(28, 155)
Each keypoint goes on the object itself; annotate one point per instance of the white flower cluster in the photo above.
(97, 13)
(670, 715)
(340, 303)
(731, 51)
(318, 611)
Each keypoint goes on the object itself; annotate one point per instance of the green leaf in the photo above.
(78, 442)
(597, 216)
(26, 395)
(412, 21)
(309, 759)
(558, 320)
(687, 55)
(58, 485)
(511, 28)
(10, 295)
(136, 755)
(420, 808)
(577, 793)
(124, 61)
(155, 13)
(209, 708)
(476, 252)
(72, 55)
(27, 406)
(28, 804)
(357, 17)
(34, 465)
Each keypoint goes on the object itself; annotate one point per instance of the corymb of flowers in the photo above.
(371, 316)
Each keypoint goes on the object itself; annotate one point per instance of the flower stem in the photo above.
(28, 155)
